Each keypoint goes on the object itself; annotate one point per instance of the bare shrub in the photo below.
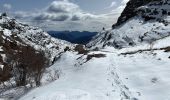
(27, 65)
(66, 49)
(30, 65)
(80, 49)
(167, 49)
(5, 74)
(89, 57)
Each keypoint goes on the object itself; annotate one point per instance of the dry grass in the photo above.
(90, 56)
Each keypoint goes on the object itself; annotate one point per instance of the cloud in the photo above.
(7, 6)
(112, 4)
(75, 18)
(62, 7)
(21, 14)
(51, 17)
(124, 2)
(120, 8)
(63, 11)
(63, 15)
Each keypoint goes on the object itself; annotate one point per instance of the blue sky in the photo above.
(90, 15)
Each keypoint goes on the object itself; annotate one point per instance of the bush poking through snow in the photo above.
(66, 49)
(28, 66)
(24, 64)
(80, 49)
(90, 56)
(167, 49)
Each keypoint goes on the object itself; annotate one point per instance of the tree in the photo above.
(27, 65)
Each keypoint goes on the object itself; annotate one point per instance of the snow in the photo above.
(7, 32)
(3, 56)
(130, 33)
(34, 37)
(141, 70)
(137, 30)
(77, 82)
(1, 48)
(1, 66)
(140, 76)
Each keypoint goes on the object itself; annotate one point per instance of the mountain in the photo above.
(128, 74)
(128, 62)
(73, 36)
(32, 36)
(25, 53)
(131, 9)
(142, 21)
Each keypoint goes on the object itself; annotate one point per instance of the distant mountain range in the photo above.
(73, 36)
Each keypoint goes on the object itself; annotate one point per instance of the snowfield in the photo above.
(139, 76)
(132, 61)
(134, 32)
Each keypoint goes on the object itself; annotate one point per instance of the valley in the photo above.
(128, 61)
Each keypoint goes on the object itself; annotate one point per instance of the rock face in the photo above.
(142, 21)
(130, 9)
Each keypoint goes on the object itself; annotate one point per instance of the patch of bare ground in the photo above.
(166, 49)
(90, 56)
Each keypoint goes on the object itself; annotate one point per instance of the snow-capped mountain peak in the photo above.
(141, 22)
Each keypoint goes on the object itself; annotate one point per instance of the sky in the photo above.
(60, 15)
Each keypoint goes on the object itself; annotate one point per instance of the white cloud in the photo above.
(117, 11)
(112, 4)
(62, 6)
(65, 15)
(124, 2)
(7, 6)
(63, 11)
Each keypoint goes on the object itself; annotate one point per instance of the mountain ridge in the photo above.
(149, 23)
(25, 53)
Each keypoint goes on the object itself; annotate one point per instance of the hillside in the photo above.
(25, 53)
(145, 23)
(128, 62)
(131, 61)
(119, 75)
(33, 37)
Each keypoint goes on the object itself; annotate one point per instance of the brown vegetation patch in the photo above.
(90, 56)
(23, 63)
(80, 49)
(167, 49)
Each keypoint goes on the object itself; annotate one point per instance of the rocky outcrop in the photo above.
(131, 9)
(142, 21)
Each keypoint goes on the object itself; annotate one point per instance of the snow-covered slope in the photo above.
(117, 76)
(33, 37)
(138, 71)
(149, 22)
(20, 46)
